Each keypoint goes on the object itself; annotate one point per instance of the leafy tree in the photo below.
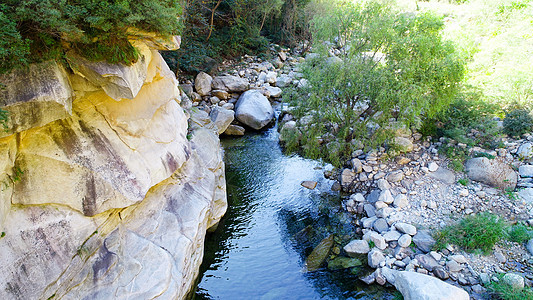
(390, 67)
(35, 30)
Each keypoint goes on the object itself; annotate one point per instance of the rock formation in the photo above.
(103, 195)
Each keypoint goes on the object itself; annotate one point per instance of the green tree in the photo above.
(390, 67)
(35, 30)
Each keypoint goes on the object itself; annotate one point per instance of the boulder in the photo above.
(117, 80)
(221, 117)
(356, 247)
(492, 172)
(35, 96)
(319, 254)
(526, 194)
(271, 77)
(405, 240)
(230, 83)
(254, 110)
(416, 286)
(202, 84)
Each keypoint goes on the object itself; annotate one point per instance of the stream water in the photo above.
(272, 225)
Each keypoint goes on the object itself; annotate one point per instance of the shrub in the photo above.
(517, 122)
(467, 114)
(477, 232)
(519, 234)
(503, 291)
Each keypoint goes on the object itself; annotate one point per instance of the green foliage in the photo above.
(392, 66)
(517, 122)
(457, 156)
(477, 232)
(371, 244)
(2, 234)
(467, 120)
(36, 30)
(463, 181)
(519, 234)
(4, 114)
(503, 291)
(221, 28)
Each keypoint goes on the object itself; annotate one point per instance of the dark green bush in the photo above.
(466, 115)
(519, 234)
(36, 30)
(517, 122)
(477, 232)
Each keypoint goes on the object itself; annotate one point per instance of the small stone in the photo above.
(458, 258)
(484, 278)
(435, 255)
(478, 289)
(380, 205)
(378, 240)
(234, 130)
(529, 246)
(386, 197)
(357, 165)
(406, 228)
(463, 193)
(453, 266)
(383, 184)
(395, 176)
(384, 212)
(375, 257)
(392, 235)
(367, 222)
(440, 273)
(500, 257)
(368, 279)
(432, 166)
(400, 201)
(404, 241)
(381, 225)
(370, 210)
(358, 197)
(356, 247)
(424, 241)
(309, 184)
(526, 171)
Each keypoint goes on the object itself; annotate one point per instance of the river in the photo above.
(272, 225)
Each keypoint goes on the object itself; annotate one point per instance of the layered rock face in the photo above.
(103, 196)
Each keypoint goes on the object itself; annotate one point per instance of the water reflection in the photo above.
(272, 225)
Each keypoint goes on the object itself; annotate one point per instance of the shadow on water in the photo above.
(272, 225)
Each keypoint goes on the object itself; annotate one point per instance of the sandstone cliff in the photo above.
(102, 194)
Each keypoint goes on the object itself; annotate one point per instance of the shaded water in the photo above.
(272, 225)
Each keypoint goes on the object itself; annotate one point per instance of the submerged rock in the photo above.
(342, 262)
(317, 258)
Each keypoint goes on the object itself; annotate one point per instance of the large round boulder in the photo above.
(254, 110)
(492, 172)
